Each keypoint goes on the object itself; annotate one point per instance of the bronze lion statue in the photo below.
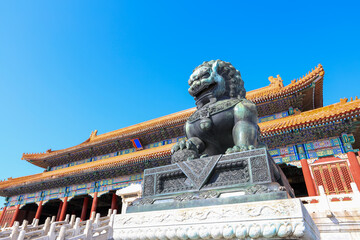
(224, 121)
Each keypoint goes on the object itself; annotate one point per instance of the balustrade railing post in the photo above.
(35, 222)
(51, 234)
(72, 220)
(88, 230)
(356, 193)
(24, 224)
(61, 233)
(15, 231)
(21, 235)
(97, 220)
(67, 218)
(324, 202)
(47, 225)
(77, 226)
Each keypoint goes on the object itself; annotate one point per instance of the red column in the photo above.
(84, 209)
(63, 209)
(38, 211)
(114, 201)
(15, 215)
(59, 211)
(94, 203)
(2, 215)
(308, 179)
(354, 167)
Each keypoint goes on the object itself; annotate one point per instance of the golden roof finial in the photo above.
(343, 100)
(93, 134)
(276, 82)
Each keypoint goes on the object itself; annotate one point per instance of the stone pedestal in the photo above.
(285, 219)
(236, 196)
(221, 179)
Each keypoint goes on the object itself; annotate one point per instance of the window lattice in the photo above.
(337, 178)
(334, 177)
(347, 177)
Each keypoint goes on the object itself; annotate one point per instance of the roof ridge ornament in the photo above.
(343, 100)
(93, 134)
(276, 82)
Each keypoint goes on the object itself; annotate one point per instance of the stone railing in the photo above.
(97, 228)
(332, 203)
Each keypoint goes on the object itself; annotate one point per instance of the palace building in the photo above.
(315, 146)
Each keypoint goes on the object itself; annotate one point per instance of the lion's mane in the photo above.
(233, 82)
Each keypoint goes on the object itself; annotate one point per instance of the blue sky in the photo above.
(70, 67)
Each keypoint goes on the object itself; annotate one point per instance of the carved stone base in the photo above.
(285, 219)
(250, 176)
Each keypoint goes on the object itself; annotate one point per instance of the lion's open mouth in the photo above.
(204, 90)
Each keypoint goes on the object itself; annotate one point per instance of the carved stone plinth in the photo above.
(220, 179)
(128, 195)
(285, 219)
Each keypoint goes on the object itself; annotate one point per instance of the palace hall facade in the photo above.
(315, 145)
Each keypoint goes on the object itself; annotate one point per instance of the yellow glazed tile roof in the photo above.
(121, 160)
(273, 91)
(276, 88)
(148, 126)
(333, 112)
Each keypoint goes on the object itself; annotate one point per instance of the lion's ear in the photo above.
(215, 66)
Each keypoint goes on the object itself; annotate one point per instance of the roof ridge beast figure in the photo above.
(225, 121)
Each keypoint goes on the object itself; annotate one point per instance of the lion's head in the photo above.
(216, 78)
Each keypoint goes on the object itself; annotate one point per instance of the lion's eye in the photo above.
(206, 75)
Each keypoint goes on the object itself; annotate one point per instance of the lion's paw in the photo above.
(189, 145)
(240, 148)
(184, 150)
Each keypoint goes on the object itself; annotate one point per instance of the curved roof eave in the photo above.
(273, 91)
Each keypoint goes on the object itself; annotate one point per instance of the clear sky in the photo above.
(70, 67)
